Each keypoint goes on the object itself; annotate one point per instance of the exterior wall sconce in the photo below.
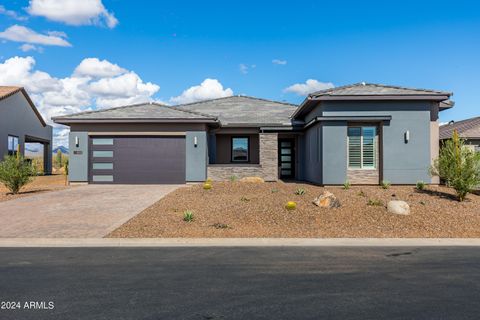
(407, 136)
(77, 142)
(195, 141)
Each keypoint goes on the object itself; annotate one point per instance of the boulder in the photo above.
(327, 200)
(252, 179)
(398, 207)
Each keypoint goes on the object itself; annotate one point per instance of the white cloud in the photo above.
(78, 92)
(23, 34)
(243, 68)
(279, 62)
(11, 14)
(94, 67)
(30, 47)
(208, 89)
(311, 85)
(73, 12)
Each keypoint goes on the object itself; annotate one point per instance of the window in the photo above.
(102, 141)
(102, 154)
(12, 145)
(103, 166)
(362, 147)
(240, 147)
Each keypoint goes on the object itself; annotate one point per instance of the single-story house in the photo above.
(468, 129)
(361, 133)
(21, 123)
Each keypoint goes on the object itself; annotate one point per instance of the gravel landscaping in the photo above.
(39, 184)
(238, 209)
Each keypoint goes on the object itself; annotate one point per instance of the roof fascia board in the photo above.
(381, 97)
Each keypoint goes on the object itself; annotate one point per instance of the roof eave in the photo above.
(67, 121)
(432, 97)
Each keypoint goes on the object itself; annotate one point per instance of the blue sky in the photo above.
(176, 45)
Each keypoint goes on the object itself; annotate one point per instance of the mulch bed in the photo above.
(238, 209)
(39, 184)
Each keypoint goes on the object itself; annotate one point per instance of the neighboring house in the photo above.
(363, 133)
(20, 123)
(468, 129)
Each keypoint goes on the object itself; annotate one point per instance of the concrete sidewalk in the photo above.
(237, 242)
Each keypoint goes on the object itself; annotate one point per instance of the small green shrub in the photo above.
(15, 173)
(458, 166)
(361, 193)
(244, 199)
(423, 203)
(233, 178)
(385, 184)
(274, 190)
(300, 192)
(375, 202)
(346, 185)
(188, 216)
(420, 185)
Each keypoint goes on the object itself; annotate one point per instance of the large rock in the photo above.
(398, 207)
(327, 200)
(252, 179)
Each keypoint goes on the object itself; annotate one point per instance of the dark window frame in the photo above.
(248, 149)
(14, 152)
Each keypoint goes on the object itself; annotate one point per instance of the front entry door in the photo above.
(286, 158)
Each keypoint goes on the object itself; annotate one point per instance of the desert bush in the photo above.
(291, 205)
(300, 192)
(219, 225)
(15, 173)
(346, 185)
(274, 190)
(207, 186)
(385, 184)
(374, 202)
(188, 216)
(244, 199)
(361, 193)
(458, 166)
(420, 185)
(233, 178)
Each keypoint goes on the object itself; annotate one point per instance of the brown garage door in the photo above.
(137, 160)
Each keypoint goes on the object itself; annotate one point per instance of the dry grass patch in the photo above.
(258, 210)
(39, 184)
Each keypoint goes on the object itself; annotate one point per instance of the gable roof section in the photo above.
(468, 129)
(371, 91)
(244, 111)
(142, 112)
(8, 91)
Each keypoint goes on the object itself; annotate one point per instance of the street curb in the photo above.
(237, 242)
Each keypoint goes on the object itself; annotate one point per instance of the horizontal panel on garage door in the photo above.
(137, 159)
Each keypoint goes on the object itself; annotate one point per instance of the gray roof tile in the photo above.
(375, 89)
(468, 129)
(244, 110)
(137, 111)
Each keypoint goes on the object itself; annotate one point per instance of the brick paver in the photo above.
(90, 211)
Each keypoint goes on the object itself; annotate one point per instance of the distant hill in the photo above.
(62, 149)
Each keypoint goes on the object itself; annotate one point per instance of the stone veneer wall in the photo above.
(267, 169)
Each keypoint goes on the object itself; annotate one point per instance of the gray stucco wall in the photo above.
(312, 154)
(17, 118)
(78, 157)
(334, 152)
(403, 163)
(196, 157)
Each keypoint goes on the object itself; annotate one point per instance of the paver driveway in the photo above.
(89, 211)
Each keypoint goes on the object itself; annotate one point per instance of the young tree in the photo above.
(59, 158)
(15, 172)
(458, 166)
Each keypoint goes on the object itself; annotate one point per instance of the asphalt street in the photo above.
(240, 283)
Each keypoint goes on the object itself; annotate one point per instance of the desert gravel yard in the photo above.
(39, 184)
(238, 209)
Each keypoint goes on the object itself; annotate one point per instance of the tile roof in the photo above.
(145, 111)
(6, 91)
(359, 89)
(244, 111)
(468, 129)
